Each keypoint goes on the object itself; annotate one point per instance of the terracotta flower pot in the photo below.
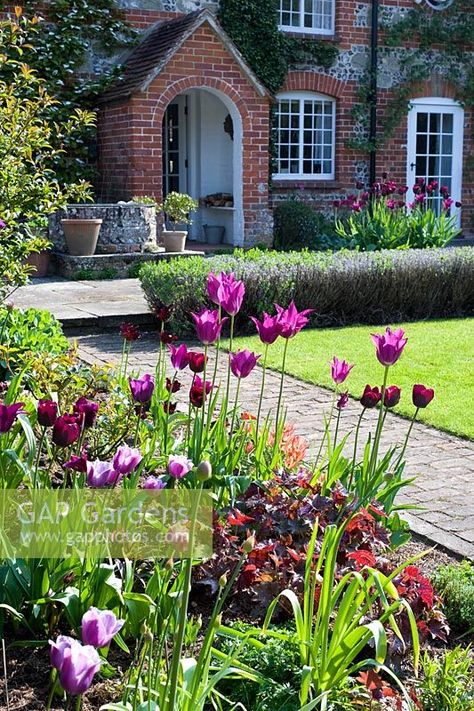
(81, 236)
(40, 261)
(174, 241)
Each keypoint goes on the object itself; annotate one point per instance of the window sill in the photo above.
(295, 184)
(307, 34)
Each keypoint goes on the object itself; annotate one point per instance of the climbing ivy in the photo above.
(57, 47)
(443, 39)
(253, 26)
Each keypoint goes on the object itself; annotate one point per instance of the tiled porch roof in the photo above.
(158, 46)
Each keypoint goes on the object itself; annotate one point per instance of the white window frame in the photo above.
(301, 96)
(300, 28)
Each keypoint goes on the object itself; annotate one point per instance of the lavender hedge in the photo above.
(343, 287)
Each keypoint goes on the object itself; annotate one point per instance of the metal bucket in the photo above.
(213, 234)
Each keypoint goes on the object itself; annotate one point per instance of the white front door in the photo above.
(435, 147)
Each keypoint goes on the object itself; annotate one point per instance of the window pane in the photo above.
(447, 123)
(447, 145)
(435, 123)
(422, 122)
(290, 13)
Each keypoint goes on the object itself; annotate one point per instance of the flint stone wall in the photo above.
(126, 227)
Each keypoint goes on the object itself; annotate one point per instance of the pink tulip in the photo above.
(340, 369)
(389, 345)
(208, 326)
(179, 356)
(290, 320)
(268, 328)
(242, 363)
(179, 466)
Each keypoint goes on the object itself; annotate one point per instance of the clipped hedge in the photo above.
(343, 287)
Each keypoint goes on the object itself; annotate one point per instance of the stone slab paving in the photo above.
(91, 304)
(442, 463)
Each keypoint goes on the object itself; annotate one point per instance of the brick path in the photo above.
(443, 463)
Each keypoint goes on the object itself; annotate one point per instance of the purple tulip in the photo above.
(179, 356)
(47, 412)
(78, 667)
(389, 345)
(142, 388)
(214, 282)
(179, 466)
(8, 415)
(99, 627)
(77, 464)
(100, 474)
(126, 459)
(268, 328)
(57, 649)
(88, 409)
(208, 326)
(422, 396)
(290, 320)
(2, 225)
(66, 430)
(391, 396)
(242, 363)
(343, 401)
(340, 369)
(231, 295)
(154, 482)
(370, 397)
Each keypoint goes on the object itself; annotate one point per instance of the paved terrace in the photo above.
(443, 463)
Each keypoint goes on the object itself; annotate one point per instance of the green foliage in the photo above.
(389, 285)
(28, 334)
(380, 227)
(92, 275)
(253, 26)
(298, 225)
(448, 681)
(30, 143)
(455, 584)
(56, 48)
(177, 207)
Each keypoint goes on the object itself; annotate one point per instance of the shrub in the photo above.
(455, 583)
(447, 683)
(345, 287)
(298, 225)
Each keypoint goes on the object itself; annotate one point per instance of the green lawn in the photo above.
(439, 354)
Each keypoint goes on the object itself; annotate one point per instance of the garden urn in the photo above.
(174, 240)
(81, 236)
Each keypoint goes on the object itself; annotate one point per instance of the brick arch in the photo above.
(436, 85)
(311, 81)
(180, 86)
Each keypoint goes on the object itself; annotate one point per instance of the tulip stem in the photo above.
(262, 389)
(38, 456)
(78, 703)
(354, 456)
(400, 457)
(380, 421)
(231, 343)
(167, 413)
(280, 394)
(234, 411)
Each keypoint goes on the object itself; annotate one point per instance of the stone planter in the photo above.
(81, 236)
(174, 241)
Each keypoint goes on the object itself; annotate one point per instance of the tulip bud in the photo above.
(223, 581)
(169, 565)
(204, 471)
(249, 544)
(218, 621)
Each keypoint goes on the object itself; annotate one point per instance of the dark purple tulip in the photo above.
(343, 400)
(197, 361)
(142, 388)
(99, 627)
(77, 464)
(370, 397)
(422, 396)
(88, 409)
(391, 396)
(66, 430)
(8, 415)
(47, 411)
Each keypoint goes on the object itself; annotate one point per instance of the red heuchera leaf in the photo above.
(237, 518)
(362, 558)
(378, 688)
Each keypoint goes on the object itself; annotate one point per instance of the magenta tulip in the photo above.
(47, 412)
(268, 328)
(340, 369)
(370, 397)
(214, 283)
(99, 627)
(231, 296)
(179, 356)
(88, 409)
(242, 363)
(422, 396)
(126, 459)
(66, 430)
(208, 326)
(391, 396)
(179, 466)
(343, 401)
(154, 482)
(389, 345)
(290, 320)
(8, 414)
(142, 388)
